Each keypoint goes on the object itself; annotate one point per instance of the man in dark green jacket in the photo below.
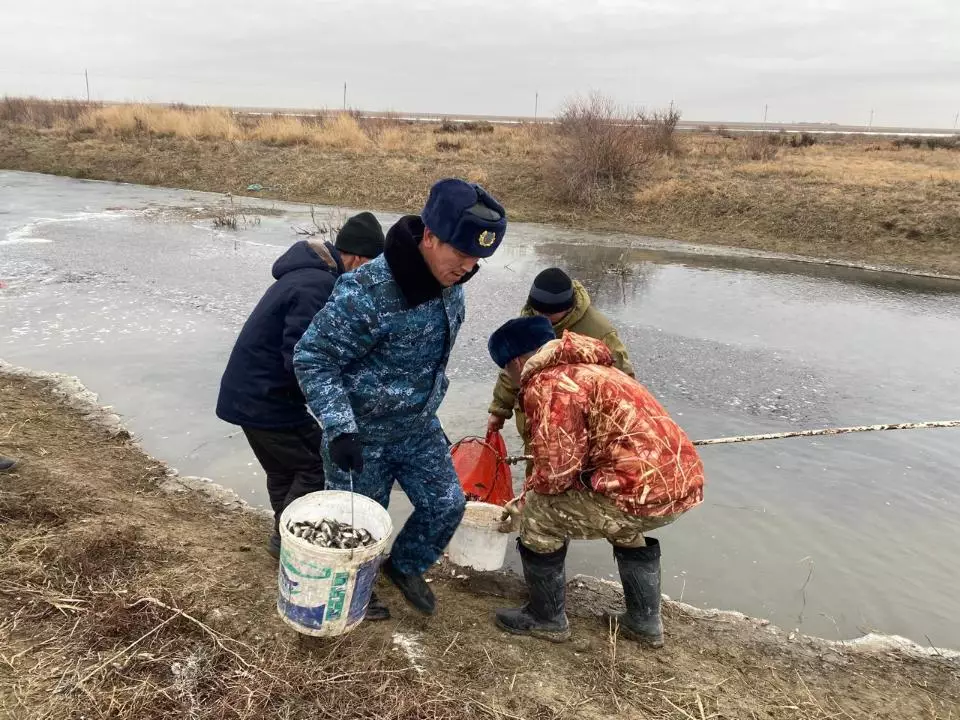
(567, 305)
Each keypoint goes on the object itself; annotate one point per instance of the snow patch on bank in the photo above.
(411, 647)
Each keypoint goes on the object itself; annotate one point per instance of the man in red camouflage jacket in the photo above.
(608, 462)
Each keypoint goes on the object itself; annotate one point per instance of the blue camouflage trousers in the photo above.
(421, 465)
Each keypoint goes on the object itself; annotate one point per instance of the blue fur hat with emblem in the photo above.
(466, 216)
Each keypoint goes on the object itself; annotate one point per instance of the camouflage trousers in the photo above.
(548, 521)
(422, 467)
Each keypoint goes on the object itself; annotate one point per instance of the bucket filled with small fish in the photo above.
(331, 545)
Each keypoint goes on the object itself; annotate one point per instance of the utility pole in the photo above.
(870, 126)
(765, 108)
(344, 96)
(536, 104)
(86, 76)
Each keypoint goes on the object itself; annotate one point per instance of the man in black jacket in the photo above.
(259, 391)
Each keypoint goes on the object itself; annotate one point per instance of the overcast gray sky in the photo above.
(829, 60)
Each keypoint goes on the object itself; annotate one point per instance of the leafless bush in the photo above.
(448, 145)
(460, 126)
(231, 215)
(759, 147)
(659, 128)
(724, 132)
(602, 147)
(41, 113)
(328, 228)
(933, 143)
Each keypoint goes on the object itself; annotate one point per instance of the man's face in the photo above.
(447, 264)
(556, 317)
(514, 369)
(351, 262)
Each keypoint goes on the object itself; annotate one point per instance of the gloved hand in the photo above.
(510, 520)
(347, 453)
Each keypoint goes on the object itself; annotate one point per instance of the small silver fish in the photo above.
(330, 533)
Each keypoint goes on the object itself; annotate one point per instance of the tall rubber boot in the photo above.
(640, 575)
(544, 616)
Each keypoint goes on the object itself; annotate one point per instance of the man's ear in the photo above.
(429, 239)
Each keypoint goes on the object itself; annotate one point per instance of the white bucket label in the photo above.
(312, 594)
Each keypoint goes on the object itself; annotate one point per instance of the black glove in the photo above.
(346, 453)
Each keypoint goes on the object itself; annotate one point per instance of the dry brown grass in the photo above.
(127, 120)
(343, 132)
(282, 130)
(871, 201)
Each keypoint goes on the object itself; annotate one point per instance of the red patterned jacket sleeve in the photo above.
(558, 432)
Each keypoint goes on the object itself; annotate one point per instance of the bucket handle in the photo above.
(353, 520)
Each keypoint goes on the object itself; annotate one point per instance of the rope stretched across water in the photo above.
(513, 459)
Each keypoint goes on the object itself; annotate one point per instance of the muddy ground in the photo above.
(122, 599)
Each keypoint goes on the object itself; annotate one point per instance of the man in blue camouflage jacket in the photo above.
(372, 368)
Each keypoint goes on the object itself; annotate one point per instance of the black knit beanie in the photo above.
(361, 235)
(551, 292)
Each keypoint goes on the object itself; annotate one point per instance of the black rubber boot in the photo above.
(273, 545)
(414, 588)
(640, 575)
(7, 463)
(544, 614)
(376, 610)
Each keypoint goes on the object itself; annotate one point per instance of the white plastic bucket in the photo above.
(325, 591)
(477, 543)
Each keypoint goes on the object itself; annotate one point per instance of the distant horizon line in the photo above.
(823, 127)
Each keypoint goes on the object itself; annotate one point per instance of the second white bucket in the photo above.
(477, 543)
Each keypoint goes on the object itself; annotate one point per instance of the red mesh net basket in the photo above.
(482, 468)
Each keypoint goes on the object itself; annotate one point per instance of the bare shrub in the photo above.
(328, 228)
(478, 126)
(804, 139)
(448, 145)
(724, 132)
(461, 126)
(660, 131)
(933, 143)
(41, 113)
(602, 147)
(759, 147)
(447, 126)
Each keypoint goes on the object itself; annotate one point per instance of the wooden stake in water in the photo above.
(801, 433)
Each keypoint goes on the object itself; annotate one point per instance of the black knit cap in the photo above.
(361, 235)
(551, 292)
